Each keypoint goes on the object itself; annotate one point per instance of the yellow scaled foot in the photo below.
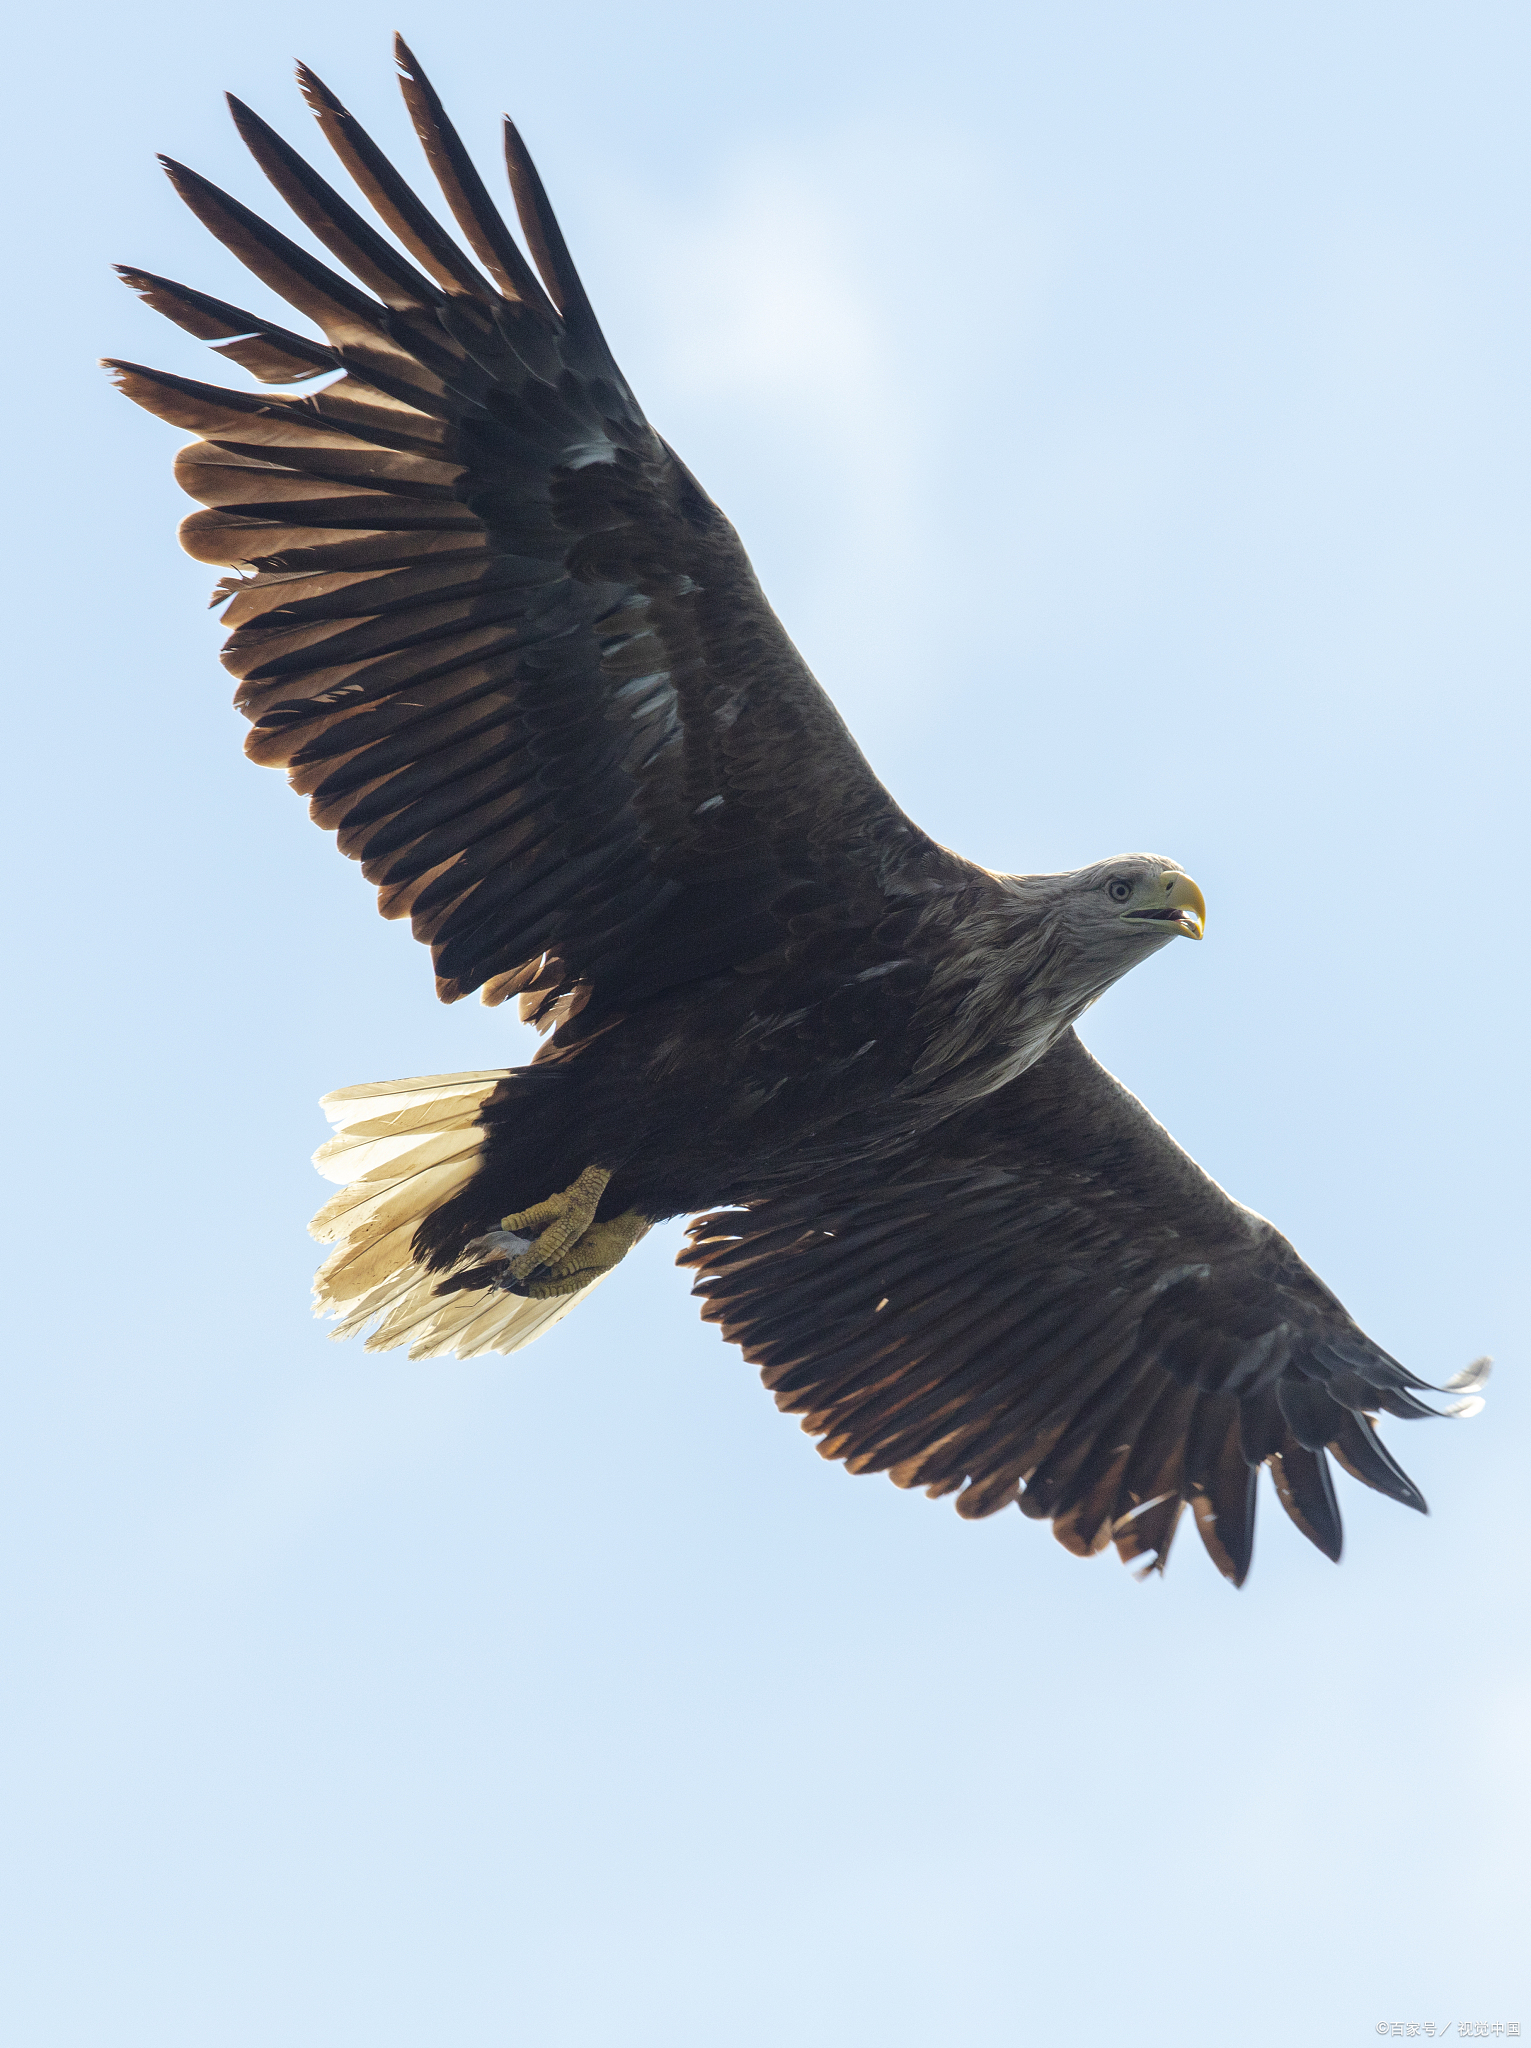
(602, 1247)
(560, 1221)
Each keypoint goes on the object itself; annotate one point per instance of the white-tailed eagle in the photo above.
(517, 660)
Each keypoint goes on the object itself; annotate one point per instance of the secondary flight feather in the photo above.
(516, 658)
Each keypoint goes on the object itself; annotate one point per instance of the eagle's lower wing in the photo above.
(485, 618)
(1050, 1301)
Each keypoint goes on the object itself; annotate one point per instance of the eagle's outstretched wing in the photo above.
(484, 616)
(1052, 1302)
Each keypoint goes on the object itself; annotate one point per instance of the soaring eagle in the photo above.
(517, 660)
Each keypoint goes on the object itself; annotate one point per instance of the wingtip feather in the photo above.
(1470, 1378)
(465, 193)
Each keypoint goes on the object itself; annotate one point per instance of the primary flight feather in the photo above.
(516, 658)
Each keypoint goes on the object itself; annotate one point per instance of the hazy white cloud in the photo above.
(793, 325)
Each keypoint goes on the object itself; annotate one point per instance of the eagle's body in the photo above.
(849, 1046)
(518, 661)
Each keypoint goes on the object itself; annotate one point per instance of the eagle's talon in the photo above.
(603, 1246)
(557, 1223)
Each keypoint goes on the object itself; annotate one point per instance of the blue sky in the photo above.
(1126, 407)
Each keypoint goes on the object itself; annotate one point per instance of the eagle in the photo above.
(517, 660)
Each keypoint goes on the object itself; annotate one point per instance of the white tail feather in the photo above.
(401, 1149)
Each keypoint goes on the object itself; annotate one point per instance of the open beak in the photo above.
(1182, 906)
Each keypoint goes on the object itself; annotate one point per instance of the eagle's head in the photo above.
(1119, 910)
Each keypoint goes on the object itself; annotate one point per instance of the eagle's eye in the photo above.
(1118, 890)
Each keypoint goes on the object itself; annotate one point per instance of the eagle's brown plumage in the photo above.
(519, 663)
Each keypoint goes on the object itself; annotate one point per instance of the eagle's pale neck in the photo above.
(1017, 971)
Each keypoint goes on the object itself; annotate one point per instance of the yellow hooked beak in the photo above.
(1179, 904)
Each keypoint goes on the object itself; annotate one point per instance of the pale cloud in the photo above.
(793, 327)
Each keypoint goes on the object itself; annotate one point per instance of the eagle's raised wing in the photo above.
(1051, 1302)
(485, 618)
